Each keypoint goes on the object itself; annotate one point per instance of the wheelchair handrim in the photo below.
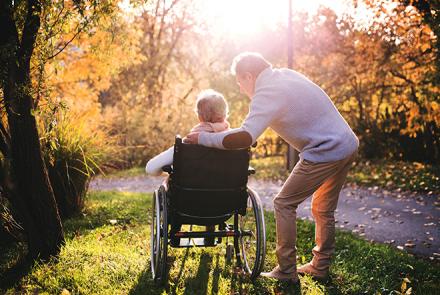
(255, 270)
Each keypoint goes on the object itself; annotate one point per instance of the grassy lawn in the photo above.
(107, 252)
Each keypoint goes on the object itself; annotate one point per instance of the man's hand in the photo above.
(192, 138)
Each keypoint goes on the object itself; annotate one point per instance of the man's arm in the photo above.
(234, 141)
(239, 140)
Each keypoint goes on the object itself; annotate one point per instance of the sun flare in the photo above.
(241, 17)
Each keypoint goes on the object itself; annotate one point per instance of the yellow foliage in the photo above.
(78, 75)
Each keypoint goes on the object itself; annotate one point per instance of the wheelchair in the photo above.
(208, 187)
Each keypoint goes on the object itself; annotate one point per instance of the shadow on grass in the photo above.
(89, 221)
(216, 275)
(182, 267)
(199, 283)
(195, 285)
(146, 285)
(287, 288)
(15, 273)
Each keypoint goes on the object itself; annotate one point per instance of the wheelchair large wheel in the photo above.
(159, 237)
(253, 246)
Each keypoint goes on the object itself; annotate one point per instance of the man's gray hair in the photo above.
(211, 106)
(252, 62)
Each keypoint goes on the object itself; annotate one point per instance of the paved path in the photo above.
(408, 221)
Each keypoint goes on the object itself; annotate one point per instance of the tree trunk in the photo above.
(34, 199)
(41, 218)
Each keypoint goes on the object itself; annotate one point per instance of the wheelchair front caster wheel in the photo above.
(229, 253)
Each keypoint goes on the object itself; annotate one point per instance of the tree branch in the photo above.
(30, 31)
(67, 43)
(50, 33)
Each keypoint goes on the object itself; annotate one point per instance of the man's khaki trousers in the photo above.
(324, 181)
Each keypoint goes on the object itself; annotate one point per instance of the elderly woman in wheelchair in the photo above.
(207, 187)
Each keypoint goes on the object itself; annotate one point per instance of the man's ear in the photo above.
(248, 76)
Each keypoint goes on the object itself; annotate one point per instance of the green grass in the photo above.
(107, 252)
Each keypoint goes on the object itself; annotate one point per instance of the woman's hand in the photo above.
(192, 138)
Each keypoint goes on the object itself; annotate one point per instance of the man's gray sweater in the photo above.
(300, 112)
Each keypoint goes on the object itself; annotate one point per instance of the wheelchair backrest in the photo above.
(207, 181)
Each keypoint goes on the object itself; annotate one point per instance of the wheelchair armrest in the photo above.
(251, 170)
(168, 169)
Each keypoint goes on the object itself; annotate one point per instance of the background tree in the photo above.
(33, 197)
(35, 32)
(152, 100)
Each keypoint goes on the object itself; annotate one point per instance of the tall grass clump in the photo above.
(74, 150)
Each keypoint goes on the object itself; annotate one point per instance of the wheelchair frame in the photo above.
(243, 237)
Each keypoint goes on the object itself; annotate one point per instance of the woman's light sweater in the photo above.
(154, 166)
(300, 112)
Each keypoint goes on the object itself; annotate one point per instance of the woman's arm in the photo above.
(154, 166)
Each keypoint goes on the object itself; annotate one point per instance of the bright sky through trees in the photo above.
(241, 17)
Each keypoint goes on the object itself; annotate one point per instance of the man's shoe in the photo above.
(310, 270)
(277, 274)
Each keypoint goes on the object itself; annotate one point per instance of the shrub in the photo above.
(74, 151)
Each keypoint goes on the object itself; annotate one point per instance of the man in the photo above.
(304, 116)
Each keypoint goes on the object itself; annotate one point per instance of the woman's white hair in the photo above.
(211, 106)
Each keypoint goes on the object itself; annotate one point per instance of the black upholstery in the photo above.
(207, 182)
